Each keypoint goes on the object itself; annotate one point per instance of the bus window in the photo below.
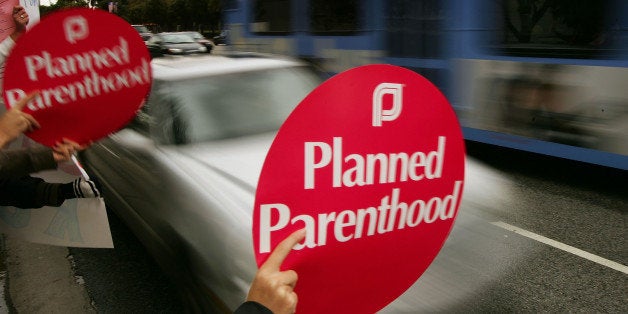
(333, 16)
(414, 28)
(271, 16)
(557, 28)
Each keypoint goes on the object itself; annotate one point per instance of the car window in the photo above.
(195, 35)
(177, 38)
(233, 105)
(160, 107)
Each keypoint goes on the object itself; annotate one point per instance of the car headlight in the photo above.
(175, 50)
(202, 49)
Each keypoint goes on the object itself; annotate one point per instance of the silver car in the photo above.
(183, 174)
(173, 44)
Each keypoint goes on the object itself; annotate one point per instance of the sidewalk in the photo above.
(38, 278)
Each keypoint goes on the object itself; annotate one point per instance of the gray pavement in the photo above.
(39, 279)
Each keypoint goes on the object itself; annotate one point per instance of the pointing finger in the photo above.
(282, 250)
(22, 103)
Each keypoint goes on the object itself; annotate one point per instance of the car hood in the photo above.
(239, 160)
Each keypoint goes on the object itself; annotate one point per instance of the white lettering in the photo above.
(379, 113)
(392, 214)
(265, 227)
(311, 165)
(345, 218)
(34, 64)
(359, 170)
(91, 85)
(89, 61)
(76, 28)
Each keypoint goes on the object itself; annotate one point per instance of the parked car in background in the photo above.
(199, 38)
(183, 174)
(173, 44)
(144, 32)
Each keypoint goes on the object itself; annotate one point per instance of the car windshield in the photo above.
(176, 38)
(195, 35)
(234, 105)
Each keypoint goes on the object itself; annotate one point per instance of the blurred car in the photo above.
(144, 32)
(199, 38)
(183, 174)
(173, 44)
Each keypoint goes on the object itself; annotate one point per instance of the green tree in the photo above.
(585, 19)
(179, 14)
(62, 4)
(168, 15)
(156, 12)
(529, 12)
(574, 21)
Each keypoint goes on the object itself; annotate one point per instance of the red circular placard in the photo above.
(92, 70)
(329, 170)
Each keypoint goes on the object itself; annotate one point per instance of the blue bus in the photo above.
(545, 76)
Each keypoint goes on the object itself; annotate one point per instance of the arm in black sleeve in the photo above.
(20, 162)
(251, 307)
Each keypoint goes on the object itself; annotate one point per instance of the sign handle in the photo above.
(78, 165)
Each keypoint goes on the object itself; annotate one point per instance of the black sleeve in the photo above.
(251, 307)
(21, 162)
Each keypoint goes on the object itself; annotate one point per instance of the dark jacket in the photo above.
(252, 308)
(24, 161)
(19, 189)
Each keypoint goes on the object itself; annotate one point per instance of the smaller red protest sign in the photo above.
(371, 164)
(92, 71)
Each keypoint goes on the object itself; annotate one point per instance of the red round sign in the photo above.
(371, 164)
(92, 70)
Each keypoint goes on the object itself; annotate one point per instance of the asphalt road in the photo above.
(522, 240)
(125, 279)
(534, 234)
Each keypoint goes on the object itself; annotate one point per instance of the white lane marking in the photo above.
(567, 248)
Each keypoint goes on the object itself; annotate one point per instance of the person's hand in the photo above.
(20, 17)
(15, 122)
(272, 287)
(64, 150)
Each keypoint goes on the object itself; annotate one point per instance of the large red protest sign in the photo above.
(91, 68)
(371, 164)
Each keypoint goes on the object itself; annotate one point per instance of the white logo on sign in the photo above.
(76, 28)
(379, 113)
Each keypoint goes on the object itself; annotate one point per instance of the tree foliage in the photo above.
(584, 19)
(162, 15)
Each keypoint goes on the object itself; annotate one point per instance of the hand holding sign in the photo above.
(64, 150)
(15, 122)
(21, 19)
(272, 287)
